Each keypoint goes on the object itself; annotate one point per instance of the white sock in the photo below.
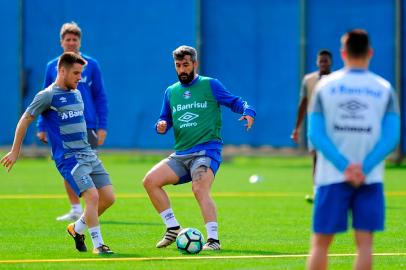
(96, 236)
(77, 208)
(168, 218)
(211, 228)
(80, 225)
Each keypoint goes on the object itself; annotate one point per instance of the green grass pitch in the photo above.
(265, 225)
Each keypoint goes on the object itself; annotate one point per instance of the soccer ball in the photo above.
(190, 241)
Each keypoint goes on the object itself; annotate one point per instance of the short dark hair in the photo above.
(68, 59)
(325, 52)
(184, 50)
(356, 43)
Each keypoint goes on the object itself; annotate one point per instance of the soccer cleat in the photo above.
(212, 244)
(309, 198)
(102, 250)
(71, 216)
(79, 238)
(169, 237)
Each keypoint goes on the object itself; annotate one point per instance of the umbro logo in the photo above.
(353, 106)
(187, 117)
(63, 99)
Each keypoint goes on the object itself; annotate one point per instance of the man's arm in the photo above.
(235, 103)
(300, 116)
(164, 122)
(100, 102)
(390, 135)
(301, 113)
(48, 80)
(11, 157)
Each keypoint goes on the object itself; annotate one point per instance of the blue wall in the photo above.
(10, 87)
(403, 78)
(253, 47)
(244, 49)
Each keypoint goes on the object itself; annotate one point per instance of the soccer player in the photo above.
(61, 107)
(354, 125)
(192, 107)
(91, 87)
(324, 61)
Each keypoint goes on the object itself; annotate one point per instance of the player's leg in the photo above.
(368, 211)
(319, 251)
(159, 176)
(310, 197)
(363, 240)
(330, 216)
(80, 174)
(76, 208)
(203, 178)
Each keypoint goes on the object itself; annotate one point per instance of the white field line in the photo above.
(186, 257)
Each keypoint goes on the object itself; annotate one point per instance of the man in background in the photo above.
(354, 124)
(324, 62)
(94, 97)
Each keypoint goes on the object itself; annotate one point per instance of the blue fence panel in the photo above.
(327, 21)
(9, 70)
(403, 78)
(133, 42)
(253, 48)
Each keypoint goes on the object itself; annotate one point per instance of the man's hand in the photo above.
(42, 136)
(161, 126)
(101, 136)
(354, 175)
(295, 135)
(8, 160)
(250, 121)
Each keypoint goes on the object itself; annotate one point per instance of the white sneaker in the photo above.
(71, 216)
(169, 238)
(212, 245)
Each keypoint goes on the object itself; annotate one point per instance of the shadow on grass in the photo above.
(132, 223)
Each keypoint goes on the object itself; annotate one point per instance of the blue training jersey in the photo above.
(92, 90)
(223, 97)
(62, 113)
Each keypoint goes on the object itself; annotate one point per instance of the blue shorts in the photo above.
(334, 202)
(83, 172)
(185, 165)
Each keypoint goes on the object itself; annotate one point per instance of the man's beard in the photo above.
(189, 77)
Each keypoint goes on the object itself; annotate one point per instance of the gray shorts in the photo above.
(84, 171)
(185, 165)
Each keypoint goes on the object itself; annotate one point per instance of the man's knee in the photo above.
(91, 196)
(150, 180)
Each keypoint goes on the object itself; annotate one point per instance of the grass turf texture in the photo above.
(268, 218)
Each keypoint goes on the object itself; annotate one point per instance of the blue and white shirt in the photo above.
(354, 118)
(62, 113)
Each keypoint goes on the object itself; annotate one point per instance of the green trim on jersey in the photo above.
(196, 115)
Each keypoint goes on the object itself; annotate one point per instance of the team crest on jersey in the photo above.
(187, 94)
